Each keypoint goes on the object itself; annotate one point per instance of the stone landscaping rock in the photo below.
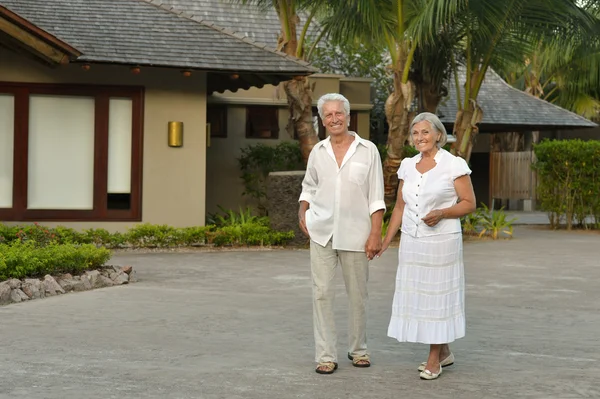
(5, 292)
(119, 278)
(133, 276)
(18, 296)
(66, 283)
(51, 287)
(14, 283)
(33, 288)
(87, 284)
(92, 277)
(78, 285)
(15, 290)
(104, 281)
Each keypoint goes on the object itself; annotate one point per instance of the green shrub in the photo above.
(471, 224)
(238, 229)
(257, 161)
(249, 234)
(232, 218)
(20, 259)
(493, 223)
(568, 174)
(486, 222)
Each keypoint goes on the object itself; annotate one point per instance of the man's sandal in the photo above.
(360, 361)
(326, 367)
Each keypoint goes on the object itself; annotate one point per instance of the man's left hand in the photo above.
(373, 245)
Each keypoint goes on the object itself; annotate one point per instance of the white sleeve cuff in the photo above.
(305, 197)
(375, 206)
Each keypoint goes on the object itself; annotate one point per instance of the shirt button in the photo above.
(417, 205)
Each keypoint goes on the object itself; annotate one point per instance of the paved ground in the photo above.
(238, 325)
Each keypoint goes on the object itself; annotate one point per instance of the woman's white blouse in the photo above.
(423, 193)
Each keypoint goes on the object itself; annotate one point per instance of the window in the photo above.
(7, 121)
(216, 116)
(70, 152)
(262, 122)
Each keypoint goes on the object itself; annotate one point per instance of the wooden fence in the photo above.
(511, 176)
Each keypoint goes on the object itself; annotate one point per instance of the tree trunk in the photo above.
(399, 116)
(298, 91)
(299, 97)
(429, 97)
(465, 130)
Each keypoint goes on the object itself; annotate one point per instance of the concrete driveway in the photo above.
(238, 325)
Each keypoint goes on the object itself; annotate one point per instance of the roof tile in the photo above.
(145, 33)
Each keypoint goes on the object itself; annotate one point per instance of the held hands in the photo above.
(433, 217)
(373, 246)
(384, 246)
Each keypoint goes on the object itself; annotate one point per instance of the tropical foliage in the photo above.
(293, 40)
(566, 75)
(484, 222)
(569, 182)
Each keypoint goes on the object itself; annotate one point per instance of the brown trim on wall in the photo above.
(101, 114)
(101, 94)
(21, 144)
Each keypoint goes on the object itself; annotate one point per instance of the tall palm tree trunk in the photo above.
(465, 129)
(299, 97)
(398, 114)
(298, 92)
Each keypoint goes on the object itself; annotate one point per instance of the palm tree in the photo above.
(293, 42)
(493, 32)
(568, 76)
(418, 71)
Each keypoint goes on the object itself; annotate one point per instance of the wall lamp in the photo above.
(175, 132)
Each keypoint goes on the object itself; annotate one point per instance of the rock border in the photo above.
(15, 290)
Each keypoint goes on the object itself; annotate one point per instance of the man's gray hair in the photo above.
(435, 123)
(333, 97)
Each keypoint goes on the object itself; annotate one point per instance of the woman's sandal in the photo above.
(326, 367)
(449, 361)
(428, 375)
(360, 361)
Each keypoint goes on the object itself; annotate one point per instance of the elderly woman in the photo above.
(434, 191)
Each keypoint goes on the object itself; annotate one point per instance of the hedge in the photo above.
(238, 232)
(569, 181)
(27, 259)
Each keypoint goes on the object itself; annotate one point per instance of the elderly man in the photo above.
(341, 210)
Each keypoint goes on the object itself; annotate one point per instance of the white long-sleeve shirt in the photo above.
(425, 192)
(342, 199)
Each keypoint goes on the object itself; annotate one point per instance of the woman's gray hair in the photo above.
(435, 123)
(333, 97)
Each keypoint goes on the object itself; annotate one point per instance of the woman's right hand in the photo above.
(384, 246)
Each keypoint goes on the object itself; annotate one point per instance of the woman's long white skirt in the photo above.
(429, 302)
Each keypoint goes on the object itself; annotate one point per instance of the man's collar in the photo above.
(357, 139)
